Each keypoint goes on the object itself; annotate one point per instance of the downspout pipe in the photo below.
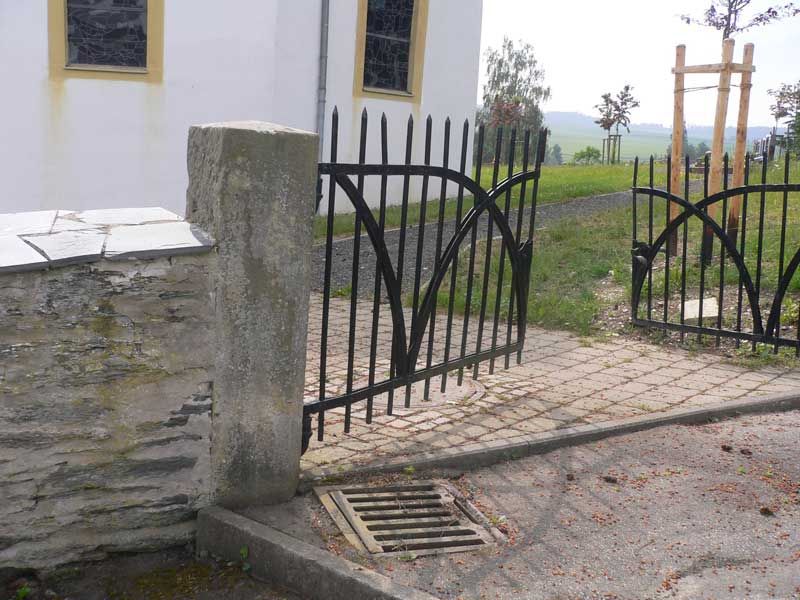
(322, 88)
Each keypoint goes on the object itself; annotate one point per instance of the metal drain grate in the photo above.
(425, 517)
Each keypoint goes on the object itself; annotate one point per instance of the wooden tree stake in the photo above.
(677, 144)
(715, 178)
(739, 153)
(718, 141)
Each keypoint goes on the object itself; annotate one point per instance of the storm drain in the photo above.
(425, 517)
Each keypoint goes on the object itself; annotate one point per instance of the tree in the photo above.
(787, 107)
(513, 93)
(606, 120)
(616, 111)
(727, 16)
(553, 156)
(622, 105)
(588, 156)
(558, 159)
(606, 108)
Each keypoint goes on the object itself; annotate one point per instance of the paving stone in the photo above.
(559, 383)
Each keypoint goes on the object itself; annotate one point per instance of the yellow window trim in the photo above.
(57, 41)
(419, 29)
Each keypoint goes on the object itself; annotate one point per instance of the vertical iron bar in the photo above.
(487, 263)
(541, 142)
(760, 244)
(423, 206)
(725, 161)
(518, 239)
(784, 209)
(702, 248)
(401, 248)
(650, 244)
(742, 248)
(499, 292)
(541, 148)
(685, 246)
(454, 269)
(634, 227)
(326, 286)
(473, 243)
(351, 338)
(438, 253)
(376, 292)
(668, 252)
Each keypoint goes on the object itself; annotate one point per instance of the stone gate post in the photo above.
(252, 186)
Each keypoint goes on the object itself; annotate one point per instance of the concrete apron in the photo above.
(317, 574)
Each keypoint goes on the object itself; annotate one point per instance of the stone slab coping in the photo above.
(31, 241)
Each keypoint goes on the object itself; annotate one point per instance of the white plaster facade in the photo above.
(70, 143)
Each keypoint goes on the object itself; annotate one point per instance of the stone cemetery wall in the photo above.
(106, 371)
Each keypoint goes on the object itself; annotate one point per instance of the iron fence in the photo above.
(726, 267)
(429, 333)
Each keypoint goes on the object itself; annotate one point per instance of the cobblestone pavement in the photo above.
(562, 381)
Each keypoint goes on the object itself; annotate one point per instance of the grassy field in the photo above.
(577, 260)
(557, 183)
(635, 143)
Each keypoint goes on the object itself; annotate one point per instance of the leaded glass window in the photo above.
(107, 33)
(388, 44)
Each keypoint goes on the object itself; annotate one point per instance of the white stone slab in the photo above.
(157, 239)
(16, 255)
(691, 309)
(125, 216)
(22, 223)
(66, 221)
(69, 247)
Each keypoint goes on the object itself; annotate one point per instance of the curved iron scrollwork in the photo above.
(407, 341)
(734, 249)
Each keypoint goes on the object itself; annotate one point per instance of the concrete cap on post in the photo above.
(252, 186)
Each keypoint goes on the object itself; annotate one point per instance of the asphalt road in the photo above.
(708, 511)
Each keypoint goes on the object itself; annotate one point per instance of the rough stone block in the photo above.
(252, 186)
(691, 309)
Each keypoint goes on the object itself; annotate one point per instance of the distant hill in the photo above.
(574, 131)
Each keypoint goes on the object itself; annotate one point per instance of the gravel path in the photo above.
(342, 264)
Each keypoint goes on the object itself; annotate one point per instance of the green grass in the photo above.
(569, 259)
(573, 256)
(557, 183)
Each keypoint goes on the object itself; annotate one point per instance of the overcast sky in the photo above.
(589, 47)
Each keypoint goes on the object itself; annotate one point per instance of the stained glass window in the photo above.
(109, 33)
(388, 44)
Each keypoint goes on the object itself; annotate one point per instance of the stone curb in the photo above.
(483, 454)
(291, 563)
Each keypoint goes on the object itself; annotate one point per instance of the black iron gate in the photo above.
(732, 272)
(477, 267)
